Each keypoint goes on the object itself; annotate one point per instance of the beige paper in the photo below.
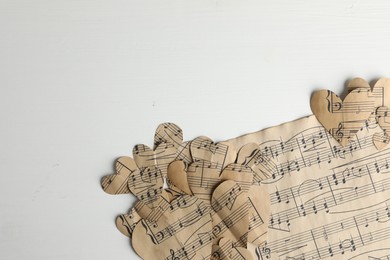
(178, 176)
(126, 223)
(147, 184)
(117, 183)
(225, 251)
(259, 214)
(209, 159)
(343, 119)
(291, 192)
(230, 216)
(180, 230)
(145, 174)
(257, 200)
(173, 134)
(327, 201)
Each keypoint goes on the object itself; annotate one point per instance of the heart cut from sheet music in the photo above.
(168, 146)
(209, 159)
(231, 218)
(178, 176)
(117, 183)
(263, 166)
(382, 113)
(343, 119)
(143, 175)
(382, 139)
(226, 251)
(259, 214)
(172, 134)
(126, 223)
(168, 133)
(181, 230)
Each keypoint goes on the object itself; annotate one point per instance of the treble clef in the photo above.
(339, 131)
(173, 257)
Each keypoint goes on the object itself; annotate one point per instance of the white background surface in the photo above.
(83, 81)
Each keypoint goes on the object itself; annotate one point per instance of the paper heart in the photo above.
(342, 119)
(147, 184)
(238, 173)
(381, 140)
(204, 149)
(117, 183)
(173, 134)
(178, 176)
(159, 158)
(357, 83)
(259, 214)
(181, 231)
(230, 207)
(168, 133)
(257, 199)
(382, 90)
(126, 223)
(263, 166)
(210, 159)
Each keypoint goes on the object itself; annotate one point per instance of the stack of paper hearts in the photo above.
(196, 199)
(200, 199)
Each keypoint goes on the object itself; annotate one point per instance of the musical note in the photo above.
(322, 180)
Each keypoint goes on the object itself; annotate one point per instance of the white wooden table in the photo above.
(83, 81)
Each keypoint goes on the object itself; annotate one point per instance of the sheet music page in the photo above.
(326, 200)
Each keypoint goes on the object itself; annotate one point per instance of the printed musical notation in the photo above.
(327, 200)
(209, 159)
(179, 229)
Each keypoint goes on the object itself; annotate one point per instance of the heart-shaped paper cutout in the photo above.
(252, 157)
(178, 176)
(204, 149)
(168, 133)
(342, 119)
(258, 200)
(238, 173)
(231, 220)
(171, 133)
(259, 214)
(147, 184)
(381, 140)
(382, 91)
(168, 147)
(117, 183)
(159, 158)
(182, 231)
(126, 223)
(209, 160)
(357, 83)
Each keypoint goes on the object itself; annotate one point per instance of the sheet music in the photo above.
(326, 200)
(314, 188)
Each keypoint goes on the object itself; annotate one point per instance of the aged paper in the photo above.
(327, 200)
(314, 188)
(343, 119)
(180, 229)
